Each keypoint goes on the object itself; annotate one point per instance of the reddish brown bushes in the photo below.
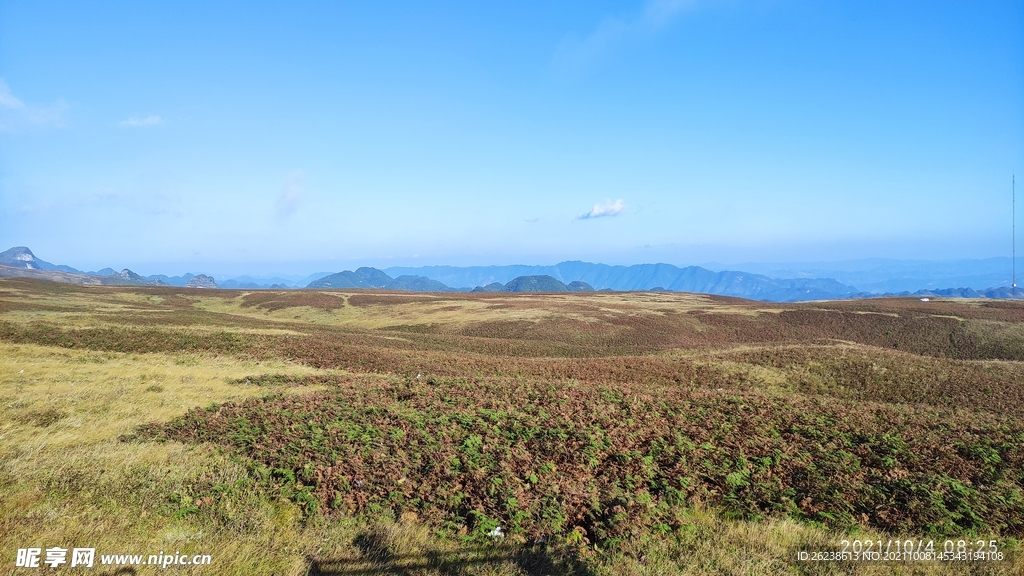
(376, 299)
(615, 461)
(272, 301)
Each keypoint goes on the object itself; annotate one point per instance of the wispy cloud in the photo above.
(291, 195)
(8, 100)
(105, 199)
(575, 53)
(136, 122)
(609, 208)
(15, 113)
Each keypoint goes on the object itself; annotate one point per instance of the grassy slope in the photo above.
(81, 367)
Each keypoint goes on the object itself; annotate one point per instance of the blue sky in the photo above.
(295, 137)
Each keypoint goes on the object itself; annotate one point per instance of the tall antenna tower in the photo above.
(1013, 265)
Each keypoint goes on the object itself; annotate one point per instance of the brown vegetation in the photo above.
(614, 462)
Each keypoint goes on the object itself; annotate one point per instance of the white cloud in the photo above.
(15, 113)
(291, 195)
(609, 208)
(574, 53)
(136, 122)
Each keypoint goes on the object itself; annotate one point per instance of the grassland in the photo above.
(356, 432)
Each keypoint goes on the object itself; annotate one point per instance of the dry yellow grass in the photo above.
(68, 481)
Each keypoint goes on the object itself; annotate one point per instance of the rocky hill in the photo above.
(417, 284)
(201, 281)
(19, 257)
(541, 283)
(579, 286)
(492, 287)
(364, 277)
(373, 278)
(130, 278)
(22, 257)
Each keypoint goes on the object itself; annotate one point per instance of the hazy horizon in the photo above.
(867, 274)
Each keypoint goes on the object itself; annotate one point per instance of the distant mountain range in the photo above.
(373, 278)
(21, 262)
(659, 277)
(884, 275)
(571, 276)
(584, 276)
